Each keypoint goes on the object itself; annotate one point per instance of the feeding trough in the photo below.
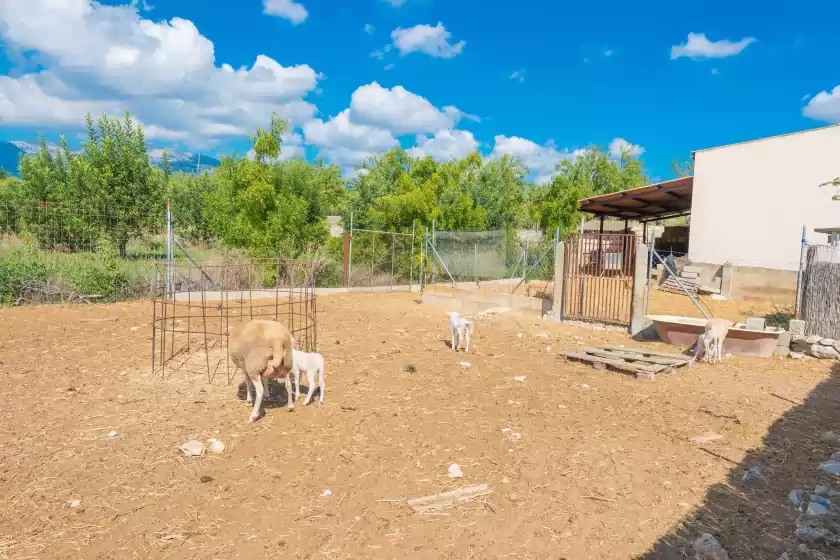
(683, 331)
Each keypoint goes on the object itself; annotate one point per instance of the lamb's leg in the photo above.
(266, 388)
(321, 383)
(310, 378)
(297, 383)
(467, 337)
(452, 332)
(249, 396)
(255, 413)
(289, 398)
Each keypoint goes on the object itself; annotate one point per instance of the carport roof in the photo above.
(652, 202)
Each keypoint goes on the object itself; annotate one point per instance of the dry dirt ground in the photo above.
(582, 463)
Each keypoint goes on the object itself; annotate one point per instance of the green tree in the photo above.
(683, 169)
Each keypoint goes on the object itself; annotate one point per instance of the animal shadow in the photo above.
(279, 398)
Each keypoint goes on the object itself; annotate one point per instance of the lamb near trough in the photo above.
(310, 362)
(711, 341)
(262, 350)
(460, 329)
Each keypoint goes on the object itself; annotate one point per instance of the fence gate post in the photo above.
(559, 280)
(350, 255)
(803, 257)
(346, 259)
(411, 269)
(637, 304)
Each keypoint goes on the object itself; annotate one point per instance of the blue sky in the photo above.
(534, 79)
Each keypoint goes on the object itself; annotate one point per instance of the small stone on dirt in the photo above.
(753, 475)
(519, 335)
(455, 471)
(113, 434)
(817, 530)
(411, 368)
(706, 547)
(830, 437)
(520, 378)
(326, 493)
(706, 438)
(192, 448)
(784, 556)
(830, 467)
(464, 364)
(74, 503)
(215, 446)
(204, 479)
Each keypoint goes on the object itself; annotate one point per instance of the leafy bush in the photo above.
(23, 264)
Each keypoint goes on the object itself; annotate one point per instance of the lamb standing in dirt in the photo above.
(712, 339)
(262, 350)
(459, 328)
(310, 362)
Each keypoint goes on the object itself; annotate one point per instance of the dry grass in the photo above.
(604, 466)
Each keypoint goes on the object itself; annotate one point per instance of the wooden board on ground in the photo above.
(642, 363)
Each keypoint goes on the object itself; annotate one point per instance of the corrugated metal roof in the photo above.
(652, 202)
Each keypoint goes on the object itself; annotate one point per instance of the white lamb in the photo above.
(712, 340)
(460, 329)
(310, 362)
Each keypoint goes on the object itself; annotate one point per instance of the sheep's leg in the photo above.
(297, 383)
(289, 391)
(321, 383)
(310, 378)
(454, 346)
(249, 396)
(255, 413)
(266, 388)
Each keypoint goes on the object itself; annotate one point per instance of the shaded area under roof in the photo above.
(644, 204)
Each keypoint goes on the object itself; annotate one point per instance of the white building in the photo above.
(748, 204)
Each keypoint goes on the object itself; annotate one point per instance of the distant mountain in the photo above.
(187, 162)
(9, 157)
(10, 153)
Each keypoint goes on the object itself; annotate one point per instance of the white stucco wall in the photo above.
(751, 200)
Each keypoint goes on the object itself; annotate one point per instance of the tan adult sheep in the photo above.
(262, 350)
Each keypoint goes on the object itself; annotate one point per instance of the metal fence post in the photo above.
(803, 258)
(350, 256)
(433, 246)
(475, 262)
(169, 249)
(649, 273)
(411, 269)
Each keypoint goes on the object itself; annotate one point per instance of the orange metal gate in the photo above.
(598, 277)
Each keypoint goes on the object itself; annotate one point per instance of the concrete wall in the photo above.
(751, 200)
(752, 282)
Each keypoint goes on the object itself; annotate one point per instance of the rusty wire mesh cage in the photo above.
(195, 305)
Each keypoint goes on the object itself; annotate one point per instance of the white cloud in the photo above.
(433, 41)
(346, 143)
(518, 75)
(698, 46)
(399, 110)
(287, 9)
(445, 145)
(388, 67)
(541, 160)
(620, 145)
(395, 3)
(107, 59)
(369, 29)
(825, 106)
(378, 55)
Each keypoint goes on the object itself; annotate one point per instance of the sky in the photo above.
(534, 79)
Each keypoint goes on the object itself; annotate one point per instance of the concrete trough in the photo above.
(683, 331)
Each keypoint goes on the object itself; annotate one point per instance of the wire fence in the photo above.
(819, 303)
(378, 259)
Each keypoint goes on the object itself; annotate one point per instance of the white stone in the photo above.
(215, 446)
(192, 448)
(455, 471)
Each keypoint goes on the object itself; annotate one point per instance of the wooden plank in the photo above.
(649, 353)
(635, 356)
(617, 364)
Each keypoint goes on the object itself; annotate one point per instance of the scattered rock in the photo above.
(326, 493)
(753, 475)
(511, 435)
(215, 446)
(548, 348)
(830, 467)
(706, 547)
(455, 471)
(706, 438)
(826, 491)
(411, 368)
(74, 503)
(505, 480)
(520, 378)
(684, 505)
(797, 497)
(113, 434)
(802, 549)
(817, 530)
(542, 335)
(784, 556)
(830, 437)
(132, 329)
(464, 364)
(816, 509)
(204, 479)
(192, 448)
(584, 385)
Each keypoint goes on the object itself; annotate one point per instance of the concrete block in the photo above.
(755, 323)
(783, 341)
(695, 269)
(797, 327)
(726, 280)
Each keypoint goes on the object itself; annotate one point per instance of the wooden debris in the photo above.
(644, 364)
(437, 502)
